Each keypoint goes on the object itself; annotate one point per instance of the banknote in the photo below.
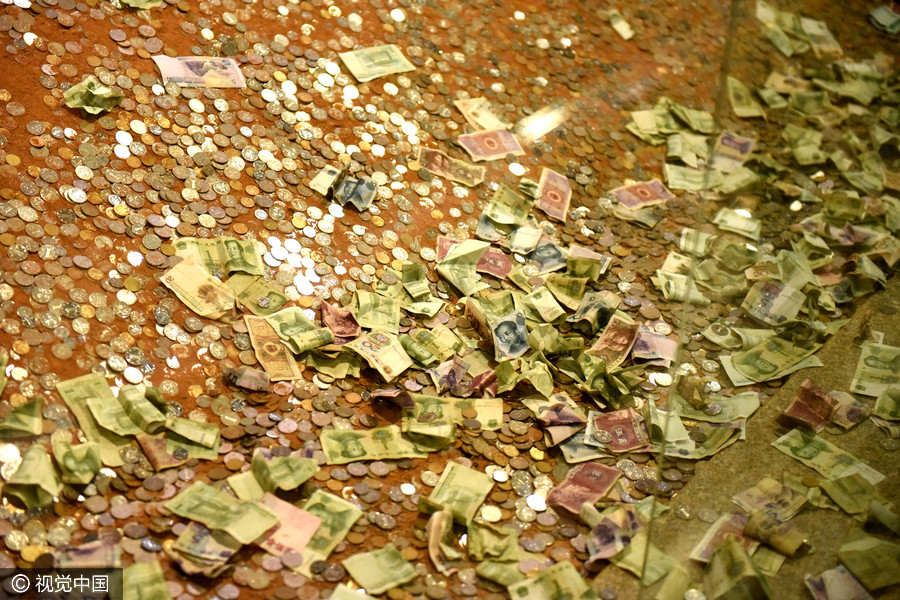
(653, 348)
(75, 393)
(644, 559)
(540, 123)
(820, 38)
(730, 151)
(149, 578)
(772, 302)
(494, 261)
(616, 341)
(202, 551)
(358, 191)
(77, 464)
(244, 521)
(324, 179)
(222, 255)
(554, 194)
(489, 411)
(524, 239)
(823, 456)
(462, 490)
(92, 96)
(256, 293)
(770, 358)
(371, 63)
(642, 194)
(549, 256)
(271, 350)
(594, 311)
(618, 22)
(836, 583)
(479, 114)
(439, 163)
(738, 221)
(24, 420)
(459, 266)
(561, 580)
(36, 483)
(374, 311)
(726, 526)
(510, 336)
(545, 305)
(490, 145)
(617, 431)
(680, 288)
(201, 292)
(98, 554)
(380, 570)
(852, 493)
(874, 561)
(770, 496)
(811, 407)
(584, 262)
(887, 406)
(384, 353)
(340, 321)
(344, 446)
(200, 71)
(507, 207)
(297, 527)
(611, 531)
(877, 371)
(732, 574)
(337, 516)
(131, 414)
(743, 104)
(586, 483)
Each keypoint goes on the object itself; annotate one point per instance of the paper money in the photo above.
(561, 580)
(255, 293)
(836, 583)
(344, 446)
(202, 551)
(742, 102)
(727, 526)
(616, 341)
(549, 256)
(202, 293)
(35, 482)
(337, 517)
(507, 207)
(77, 464)
(358, 191)
(539, 123)
(620, 25)
(554, 194)
(490, 145)
(380, 570)
(642, 194)
(244, 521)
(200, 71)
(852, 493)
(461, 490)
(877, 371)
(494, 261)
(771, 496)
(617, 431)
(873, 561)
(271, 350)
(324, 179)
(510, 336)
(823, 43)
(92, 96)
(147, 577)
(371, 63)
(384, 352)
(478, 113)
(730, 151)
(340, 321)
(823, 456)
(75, 393)
(887, 406)
(773, 303)
(732, 574)
(587, 483)
(885, 19)
(439, 163)
(459, 266)
(99, 554)
(130, 414)
(642, 558)
(297, 527)
(770, 358)
(546, 305)
(24, 420)
(222, 255)
(584, 262)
